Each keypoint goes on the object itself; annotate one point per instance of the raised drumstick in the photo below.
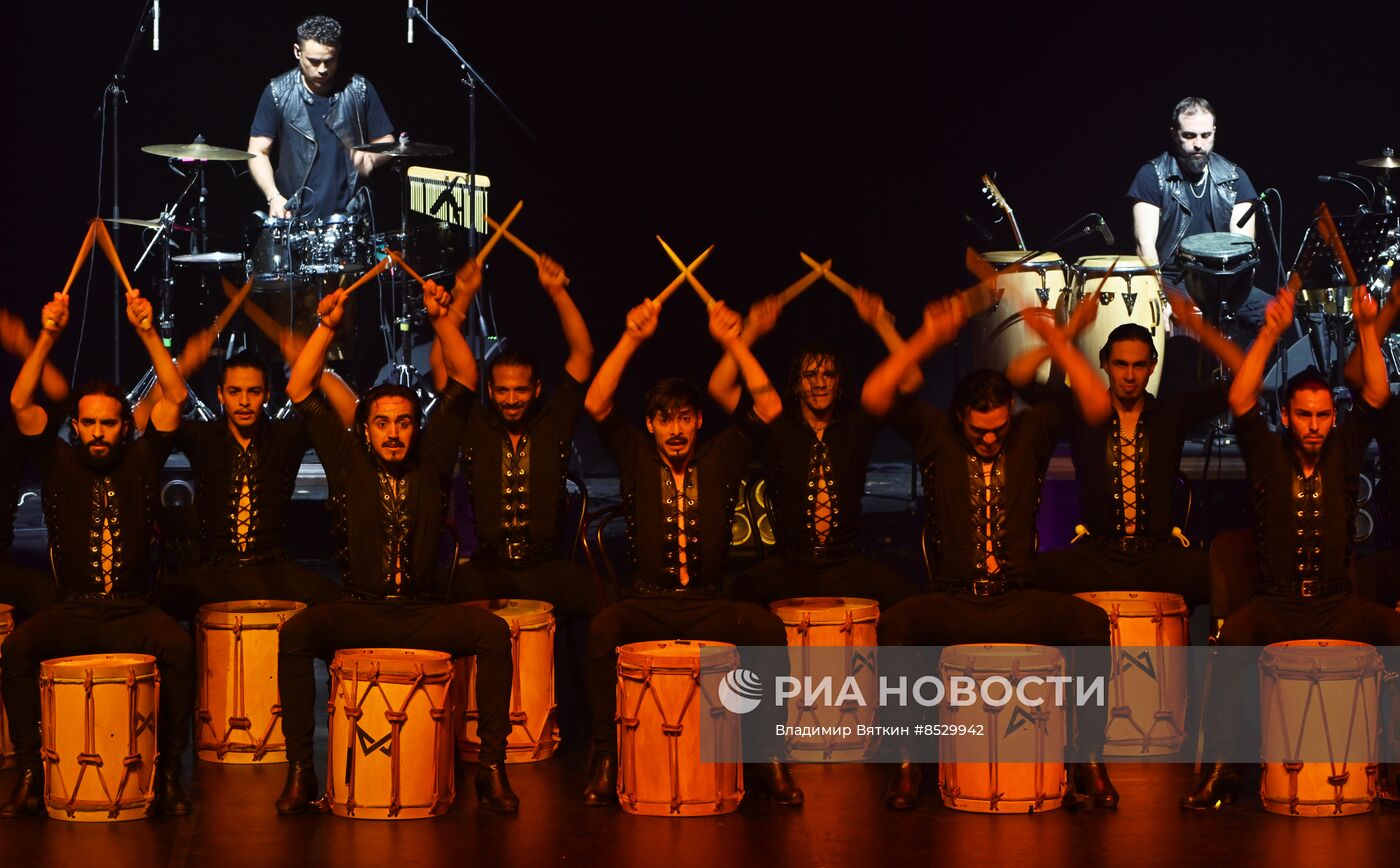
(405, 266)
(800, 285)
(685, 272)
(825, 268)
(491, 242)
(235, 299)
(520, 245)
(680, 278)
(369, 275)
(105, 241)
(83, 252)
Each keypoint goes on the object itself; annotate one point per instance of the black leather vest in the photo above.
(1177, 203)
(296, 141)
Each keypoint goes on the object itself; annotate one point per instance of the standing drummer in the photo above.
(317, 121)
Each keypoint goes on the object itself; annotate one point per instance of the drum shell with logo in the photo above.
(1319, 710)
(239, 707)
(338, 244)
(1218, 268)
(390, 742)
(99, 736)
(7, 748)
(534, 732)
(667, 704)
(1000, 332)
(1148, 686)
(1133, 294)
(1016, 764)
(846, 626)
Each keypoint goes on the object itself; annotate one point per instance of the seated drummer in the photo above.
(99, 497)
(815, 458)
(983, 466)
(515, 456)
(389, 482)
(1127, 467)
(1303, 492)
(680, 500)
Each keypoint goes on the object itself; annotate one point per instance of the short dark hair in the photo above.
(1308, 378)
(104, 389)
(670, 396)
(1189, 106)
(245, 359)
(814, 352)
(319, 28)
(387, 390)
(512, 359)
(982, 390)
(1128, 331)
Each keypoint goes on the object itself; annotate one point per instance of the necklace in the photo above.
(1204, 177)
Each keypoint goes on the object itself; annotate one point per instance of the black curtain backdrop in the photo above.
(855, 131)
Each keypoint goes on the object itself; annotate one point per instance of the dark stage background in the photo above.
(853, 131)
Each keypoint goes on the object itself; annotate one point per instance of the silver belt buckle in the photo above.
(515, 550)
(981, 587)
(1306, 588)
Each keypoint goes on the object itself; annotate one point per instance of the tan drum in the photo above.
(99, 747)
(1132, 294)
(831, 622)
(1000, 331)
(390, 745)
(239, 717)
(1319, 708)
(1147, 687)
(664, 690)
(534, 732)
(7, 750)
(1006, 759)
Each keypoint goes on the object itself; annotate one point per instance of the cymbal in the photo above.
(404, 149)
(214, 258)
(1386, 162)
(197, 151)
(147, 224)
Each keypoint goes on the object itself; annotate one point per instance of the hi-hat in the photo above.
(1385, 161)
(404, 149)
(147, 224)
(197, 150)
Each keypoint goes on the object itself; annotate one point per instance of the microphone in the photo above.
(293, 203)
(357, 202)
(1343, 180)
(412, 12)
(1105, 231)
(976, 227)
(1249, 213)
(155, 26)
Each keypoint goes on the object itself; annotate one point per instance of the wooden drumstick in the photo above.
(83, 252)
(235, 299)
(495, 239)
(520, 245)
(978, 266)
(680, 278)
(405, 266)
(105, 241)
(831, 276)
(800, 285)
(1328, 228)
(704, 293)
(369, 275)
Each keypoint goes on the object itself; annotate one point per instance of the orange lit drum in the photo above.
(664, 691)
(534, 733)
(1147, 686)
(1319, 707)
(239, 718)
(1000, 331)
(1133, 294)
(99, 747)
(7, 750)
(390, 745)
(831, 622)
(972, 774)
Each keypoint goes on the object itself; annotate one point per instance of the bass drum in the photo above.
(1131, 294)
(1000, 331)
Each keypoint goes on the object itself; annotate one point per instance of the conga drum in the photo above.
(7, 626)
(239, 717)
(1218, 269)
(846, 627)
(1148, 681)
(1006, 758)
(1319, 708)
(99, 743)
(390, 744)
(1000, 332)
(664, 691)
(534, 732)
(1131, 294)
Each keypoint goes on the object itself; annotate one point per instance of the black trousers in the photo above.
(778, 578)
(1096, 566)
(458, 630)
(279, 579)
(655, 619)
(29, 591)
(1031, 616)
(1232, 709)
(1378, 577)
(116, 625)
(565, 584)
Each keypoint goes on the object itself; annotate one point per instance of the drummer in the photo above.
(1190, 190)
(316, 119)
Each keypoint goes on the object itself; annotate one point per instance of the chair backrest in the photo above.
(1234, 571)
(1185, 492)
(575, 515)
(595, 551)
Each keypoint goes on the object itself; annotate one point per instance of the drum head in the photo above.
(1320, 658)
(256, 611)
(397, 661)
(525, 613)
(1219, 247)
(1137, 602)
(826, 610)
(678, 654)
(100, 665)
(1001, 657)
(1099, 264)
(1040, 261)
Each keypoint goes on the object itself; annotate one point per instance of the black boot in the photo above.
(301, 789)
(1215, 789)
(774, 778)
(602, 780)
(902, 794)
(1091, 780)
(170, 797)
(27, 796)
(493, 788)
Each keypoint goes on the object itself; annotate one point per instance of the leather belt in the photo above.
(1309, 588)
(223, 560)
(515, 550)
(980, 587)
(839, 552)
(1131, 543)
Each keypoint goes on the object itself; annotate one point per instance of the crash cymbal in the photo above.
(1385, 161)
(147, 224)
(404, 148)
(214, 258)
(197, 150)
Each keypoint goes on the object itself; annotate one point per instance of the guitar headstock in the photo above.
(989, 189)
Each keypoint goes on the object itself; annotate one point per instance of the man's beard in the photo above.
(102, 463)
(1194, 163)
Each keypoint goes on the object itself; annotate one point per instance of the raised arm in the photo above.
(1094, 403)
(641, 325)
(165, 412)
(871, 310)
(457, 358)
(311, 361)
(29, 416)
(943, 318)
(1022, 369)
(1375, 380)
(1185, 312)
(726, 328)
(464, 289)
(17, 341)
(580, 361)
(1384, 320)
(1244, 389)
(724, 379)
